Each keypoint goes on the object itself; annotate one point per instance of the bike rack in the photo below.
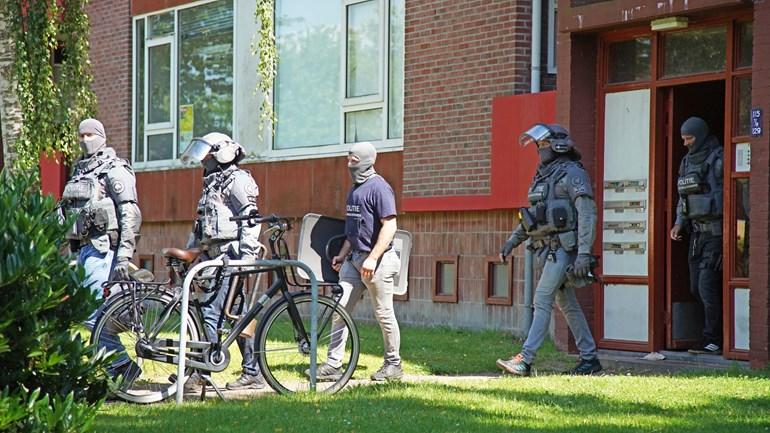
(245, 264)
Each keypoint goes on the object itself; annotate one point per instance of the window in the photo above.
(552, 31)
(183, 78)
(445, 279)
(695, 51)
(340, 73)
(147, 261)
(629, 61)
(499, 278)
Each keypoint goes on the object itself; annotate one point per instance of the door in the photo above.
(684, 315)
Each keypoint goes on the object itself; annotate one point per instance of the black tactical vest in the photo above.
(700, 187)
(550, 203)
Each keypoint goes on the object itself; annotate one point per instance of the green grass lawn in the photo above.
(616, 402)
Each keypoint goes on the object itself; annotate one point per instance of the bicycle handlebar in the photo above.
(254, 218)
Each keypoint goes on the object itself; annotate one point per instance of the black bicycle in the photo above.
(146, 316)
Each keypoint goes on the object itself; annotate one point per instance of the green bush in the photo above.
(50, 379)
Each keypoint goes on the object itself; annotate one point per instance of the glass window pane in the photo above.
(160, 84)
(307, 88)
(139, 93)
(205, 70)
(741, 228)
(745, 44)
(448, 272)
(695, 51)
(629, 61)
(500, 280)
(396, 70)
(743, 106)
(160, 25)
(160, 147)
(363, 125)
(363, 48)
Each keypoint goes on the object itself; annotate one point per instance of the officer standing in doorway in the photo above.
(228, 191)
(699, 211)
(561, 221)
(102, 193)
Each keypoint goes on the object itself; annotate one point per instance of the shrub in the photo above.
(50, 379)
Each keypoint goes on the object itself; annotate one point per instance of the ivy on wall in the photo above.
(53, 99)
(268, 59)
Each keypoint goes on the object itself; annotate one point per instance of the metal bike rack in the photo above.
(245, 264)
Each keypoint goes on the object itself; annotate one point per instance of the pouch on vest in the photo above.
(559, 217)
(527, 219)
(104, 217)
(698, 206)
(690, 183)
(568, 240)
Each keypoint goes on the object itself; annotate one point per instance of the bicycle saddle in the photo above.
(188, 256)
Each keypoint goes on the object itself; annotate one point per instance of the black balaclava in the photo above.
(699, 129)
(210, 165)
(547, 154)
(95, 143)
(364, 168)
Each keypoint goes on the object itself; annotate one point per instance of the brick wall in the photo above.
(759, 265)
(111, 61)
(459, 55)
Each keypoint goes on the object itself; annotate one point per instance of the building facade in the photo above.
(443, 89)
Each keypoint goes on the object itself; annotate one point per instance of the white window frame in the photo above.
(552, 30)
(347, 105)
(166, 127)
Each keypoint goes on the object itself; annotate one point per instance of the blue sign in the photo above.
(756, 122)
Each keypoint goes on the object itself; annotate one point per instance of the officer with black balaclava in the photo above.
(101, 193)
(561, 221)
(699, 212)
(228, 191)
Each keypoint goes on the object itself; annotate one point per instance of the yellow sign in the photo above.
(186, 123)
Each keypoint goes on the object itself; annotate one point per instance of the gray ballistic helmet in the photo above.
(554, 133)
(224, 149)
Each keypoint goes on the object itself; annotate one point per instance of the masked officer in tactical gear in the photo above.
(367, 261)
(227, 191)
(699, 211)
(102, 193)
(561, 221)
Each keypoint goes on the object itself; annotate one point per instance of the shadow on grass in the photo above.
(439, 408)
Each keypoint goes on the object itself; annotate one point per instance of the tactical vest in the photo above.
(699, 188)
(214, 212)
(85, 195)
(551, 207)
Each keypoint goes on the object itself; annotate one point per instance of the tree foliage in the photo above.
(52, 75)
(50, 379)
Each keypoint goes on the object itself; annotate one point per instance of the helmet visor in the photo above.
(196, 151)
(534, 134)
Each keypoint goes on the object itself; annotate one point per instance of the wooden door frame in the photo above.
(656, 277)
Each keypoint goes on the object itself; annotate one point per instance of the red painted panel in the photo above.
(139, 7)
(512, 166)
(53, 175)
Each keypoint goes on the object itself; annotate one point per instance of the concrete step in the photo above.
(675, 362)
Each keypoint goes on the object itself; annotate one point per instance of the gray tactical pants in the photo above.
(549, 288)
(380, 288)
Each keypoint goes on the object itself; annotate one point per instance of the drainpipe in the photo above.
(529, 289)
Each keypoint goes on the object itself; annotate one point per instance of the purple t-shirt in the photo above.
(367, 204)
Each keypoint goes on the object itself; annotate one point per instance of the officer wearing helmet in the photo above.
(101, 193)
(699, 212)
(227, 191)
(561, 221)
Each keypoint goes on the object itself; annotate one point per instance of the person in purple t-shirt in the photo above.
(368, 261)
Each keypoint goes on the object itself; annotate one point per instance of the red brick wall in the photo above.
(111, 61)
(759, 265)
(459, 55)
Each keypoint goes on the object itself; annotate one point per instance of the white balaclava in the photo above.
(364, 168)
(96, 142)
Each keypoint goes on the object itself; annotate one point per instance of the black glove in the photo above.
(582, 265)
(120, 271)
(508, 247)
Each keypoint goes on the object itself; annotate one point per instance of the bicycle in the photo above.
(149, 315)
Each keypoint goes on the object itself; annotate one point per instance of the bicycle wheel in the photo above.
(152, 383)
(284, 355)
